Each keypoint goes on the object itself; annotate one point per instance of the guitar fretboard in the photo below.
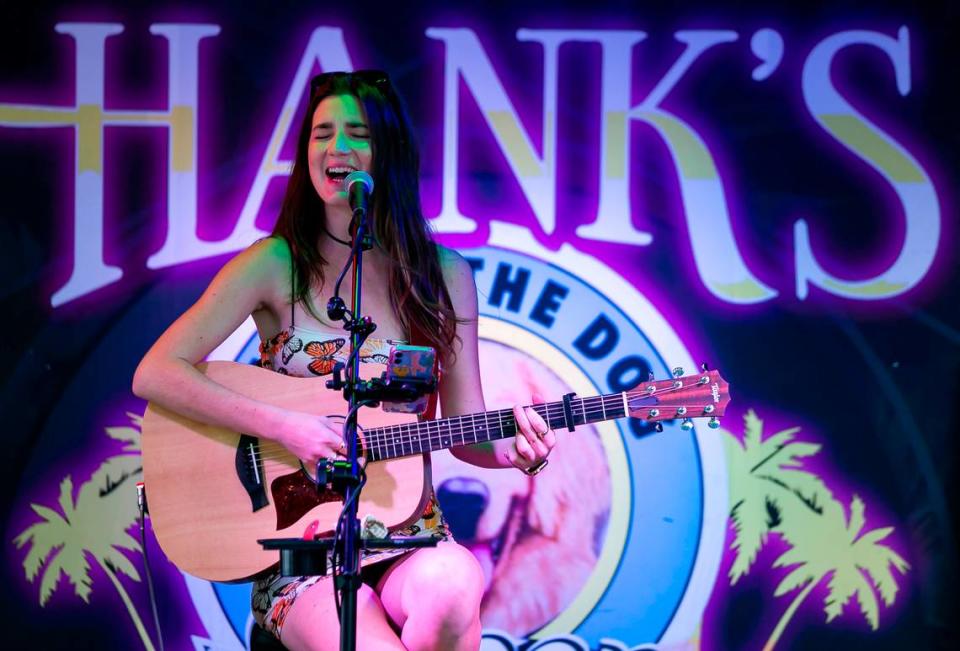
(428, 436)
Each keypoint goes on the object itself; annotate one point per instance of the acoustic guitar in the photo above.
(213, 492)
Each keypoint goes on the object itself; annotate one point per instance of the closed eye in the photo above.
(357, 130)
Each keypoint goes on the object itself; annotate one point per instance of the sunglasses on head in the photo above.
(376, 78)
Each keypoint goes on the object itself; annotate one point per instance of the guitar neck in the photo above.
(384, 443)
(704, 395)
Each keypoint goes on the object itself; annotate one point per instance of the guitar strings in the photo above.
(381, 439)
(377, 438)
(394, 435)
(380, 443)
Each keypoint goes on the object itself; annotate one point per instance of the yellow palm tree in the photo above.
(94, 527)
(834, 546)
(770, 492)
(760, 470)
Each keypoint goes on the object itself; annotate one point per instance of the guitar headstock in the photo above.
(702, 395)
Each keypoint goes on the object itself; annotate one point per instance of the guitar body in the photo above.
(213, 492)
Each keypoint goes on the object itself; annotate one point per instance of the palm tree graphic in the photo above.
(770, 492)
(759, 470)
(92, 527)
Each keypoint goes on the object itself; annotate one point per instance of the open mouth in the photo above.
(336, 173)
(469, 499)
(510, 526)
(488, 552)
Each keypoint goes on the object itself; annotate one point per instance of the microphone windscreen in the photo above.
(358, 176)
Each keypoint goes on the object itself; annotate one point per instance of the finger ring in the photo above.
(534, 469)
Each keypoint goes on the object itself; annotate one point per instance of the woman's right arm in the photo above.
(167, 374)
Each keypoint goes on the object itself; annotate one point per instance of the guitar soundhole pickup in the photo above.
(249, 466)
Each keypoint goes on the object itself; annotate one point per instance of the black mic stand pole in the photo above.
(308, 555)
(349, 575)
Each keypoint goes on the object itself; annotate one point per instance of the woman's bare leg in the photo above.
(312, 622)
(434, 595)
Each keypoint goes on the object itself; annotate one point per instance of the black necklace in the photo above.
(337, 239)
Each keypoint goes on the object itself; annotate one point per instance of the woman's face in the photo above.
(339, 144)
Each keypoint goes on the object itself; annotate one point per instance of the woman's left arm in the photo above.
(461, 391)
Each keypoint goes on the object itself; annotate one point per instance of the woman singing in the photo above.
(413, 289)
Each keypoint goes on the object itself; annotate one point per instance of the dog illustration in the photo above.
(537, 538)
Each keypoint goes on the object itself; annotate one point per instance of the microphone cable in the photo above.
(142, 509)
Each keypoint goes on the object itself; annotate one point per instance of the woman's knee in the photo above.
(452, 578)
(311, 621)
(313, 624)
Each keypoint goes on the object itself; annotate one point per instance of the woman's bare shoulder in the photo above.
(452, 261)
(264, 262)
(258, 276)
(458, 275)
(271, 253)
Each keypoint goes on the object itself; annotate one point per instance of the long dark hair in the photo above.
(418, 293)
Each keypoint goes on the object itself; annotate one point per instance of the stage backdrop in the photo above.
(766, 190)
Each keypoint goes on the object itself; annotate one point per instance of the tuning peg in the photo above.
(658, 426)
(709, 409)
(650, 376)
(704, 367)
(713, 423)
(678, 371)
(686, 424)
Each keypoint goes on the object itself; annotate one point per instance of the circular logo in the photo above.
(621, 537)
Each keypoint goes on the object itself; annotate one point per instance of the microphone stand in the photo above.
(349, 576)
(308, 555)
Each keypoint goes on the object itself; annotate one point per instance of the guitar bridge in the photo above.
(250, 471)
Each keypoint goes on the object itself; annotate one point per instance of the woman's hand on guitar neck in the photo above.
(534, 439)
(310, 437)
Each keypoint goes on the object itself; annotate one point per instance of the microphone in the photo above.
(359, 186)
